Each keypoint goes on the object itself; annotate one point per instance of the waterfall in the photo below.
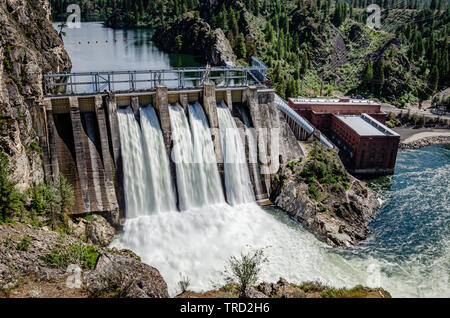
(147, 181)
(237, 179)
(252, 152)
(204, 154)
(161, 190)
(135, 174)
(193, 153)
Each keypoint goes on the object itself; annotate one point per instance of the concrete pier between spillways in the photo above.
(80, 138)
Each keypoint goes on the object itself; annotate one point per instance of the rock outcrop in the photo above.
(29, 47)
(38, 258)
(125, 277)
(95, 229)
(190, 34)
(321, 195)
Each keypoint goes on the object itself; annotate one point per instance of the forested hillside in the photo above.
(314, 47)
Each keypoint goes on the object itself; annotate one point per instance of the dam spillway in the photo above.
(110, 145)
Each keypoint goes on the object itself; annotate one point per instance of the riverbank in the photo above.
(415, 138)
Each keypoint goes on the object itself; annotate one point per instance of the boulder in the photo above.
(251, 292)
(120, 276)
(96, 230)
(99, 231)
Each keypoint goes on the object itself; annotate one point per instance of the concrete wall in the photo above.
(80, 139)
(76, 144)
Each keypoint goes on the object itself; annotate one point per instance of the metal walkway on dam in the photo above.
(188, 78)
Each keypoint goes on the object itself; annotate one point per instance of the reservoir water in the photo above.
(407, 251)
(96, 48)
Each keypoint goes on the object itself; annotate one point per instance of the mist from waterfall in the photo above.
(237, 179)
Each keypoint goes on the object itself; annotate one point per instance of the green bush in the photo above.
(313, 191)
(76, 253)
(24, 244)
(52, 199)
(245, 271)
(11, 202)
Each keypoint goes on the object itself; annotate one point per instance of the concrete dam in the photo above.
(147, 151)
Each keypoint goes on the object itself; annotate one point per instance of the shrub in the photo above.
(313, 191)
(244, 271)
(76, 253)
(24, 244)
(184, 283)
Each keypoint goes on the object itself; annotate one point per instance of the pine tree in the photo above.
(368, 74)
(241, 49)
(433, 79)
(379, 76)
(10, 199)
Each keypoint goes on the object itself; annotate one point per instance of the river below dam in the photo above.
(407, 251)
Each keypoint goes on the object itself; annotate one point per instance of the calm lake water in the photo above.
(408, 248)
(96, 48)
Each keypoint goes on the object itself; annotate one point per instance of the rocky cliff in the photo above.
(29, 47)
(320, 194)
(190, 34)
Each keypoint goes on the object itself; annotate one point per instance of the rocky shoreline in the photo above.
(319, 193)
(191, 34)
(424, 142)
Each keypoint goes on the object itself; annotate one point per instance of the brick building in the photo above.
(357, 127)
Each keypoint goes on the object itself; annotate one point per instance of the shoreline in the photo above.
(411, 138)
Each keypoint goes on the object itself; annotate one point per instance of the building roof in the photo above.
(365, 125)
(336, 101)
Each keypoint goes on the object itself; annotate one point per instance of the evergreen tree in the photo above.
(241, 49)
(433, 79)
(368, 74)
(378, 76)
(10, 200)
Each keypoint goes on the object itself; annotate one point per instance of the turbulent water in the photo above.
(407, 251)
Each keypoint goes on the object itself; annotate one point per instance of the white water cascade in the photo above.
(198, 179)
(237, 179)
(161, 190)
(147, 181)
(135, 177)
